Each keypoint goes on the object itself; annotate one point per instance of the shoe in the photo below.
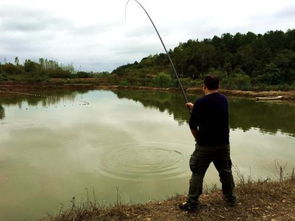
(230, 200)
(187, 207)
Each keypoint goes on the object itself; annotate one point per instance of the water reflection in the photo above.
(269, 117)
(43, 98)
(171, 102)
(2, 112)
(245, 114)
(54, 146)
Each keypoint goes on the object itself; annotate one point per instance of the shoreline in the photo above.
(11, 87)
(261, 200)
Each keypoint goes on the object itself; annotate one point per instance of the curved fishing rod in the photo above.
(172, 64)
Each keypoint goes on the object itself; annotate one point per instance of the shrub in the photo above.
(39, 76)
(237, 81)
(124, 83)
(187, 82)
(3, 77)
(218, 73)
(31, 66)
(163, 80)
(11, 69)
(83, 74)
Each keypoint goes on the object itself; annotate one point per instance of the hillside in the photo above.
(242, 61)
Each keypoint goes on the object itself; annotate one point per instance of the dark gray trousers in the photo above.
(199, 163)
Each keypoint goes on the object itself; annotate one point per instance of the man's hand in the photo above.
(189, 105)
(195, 133)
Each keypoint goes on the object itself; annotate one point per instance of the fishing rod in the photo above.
(172, 64)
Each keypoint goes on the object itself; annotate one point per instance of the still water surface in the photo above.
(131, 146)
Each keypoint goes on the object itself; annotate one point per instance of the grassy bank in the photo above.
(261, 200)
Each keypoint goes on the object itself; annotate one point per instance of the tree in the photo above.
(16, 61)
(271, 75)
(31, 66)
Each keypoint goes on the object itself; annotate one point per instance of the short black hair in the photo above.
(211, 82)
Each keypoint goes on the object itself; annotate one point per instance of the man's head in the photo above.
(211, 83)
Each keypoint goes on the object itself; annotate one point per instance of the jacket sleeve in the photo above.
(194, 119)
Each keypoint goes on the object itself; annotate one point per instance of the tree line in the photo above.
(242, 61)
(41, 70)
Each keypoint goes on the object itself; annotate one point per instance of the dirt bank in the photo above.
(256, 201)
(87, 84)
(287, 95)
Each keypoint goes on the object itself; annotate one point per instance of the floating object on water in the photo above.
(270, 98)
(84, 103)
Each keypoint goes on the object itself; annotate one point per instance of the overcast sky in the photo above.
(94, 35)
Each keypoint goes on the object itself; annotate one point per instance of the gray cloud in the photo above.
(143, 31)
(287, 13)
(27, 20)
(17, 19)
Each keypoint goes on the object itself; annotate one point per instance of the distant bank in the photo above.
(90, 84)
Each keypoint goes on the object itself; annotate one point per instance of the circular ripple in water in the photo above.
(144, 161)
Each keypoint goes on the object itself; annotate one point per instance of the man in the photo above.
(209, 126)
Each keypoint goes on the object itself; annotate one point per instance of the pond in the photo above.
(126, 146)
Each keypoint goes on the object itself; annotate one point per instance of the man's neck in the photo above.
(207, 92)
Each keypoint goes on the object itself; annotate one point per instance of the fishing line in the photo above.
(172, 64)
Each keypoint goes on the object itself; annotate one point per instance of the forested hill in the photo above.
(241, 61)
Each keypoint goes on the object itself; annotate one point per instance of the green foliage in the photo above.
(10, 69)
(37, 76)
(16, 61)
(271, 75)
(237, 81)
(267, 59)
(221, 74)
(124, 83)
(83, 74)
(242, 61)
(188, 82)
(163, 80)
(33, 71)
(3, 77)
(31, 66)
